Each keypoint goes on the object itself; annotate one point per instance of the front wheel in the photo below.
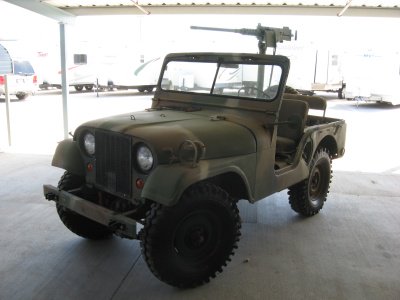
(308, 197)
(76, 223)
(186, 244)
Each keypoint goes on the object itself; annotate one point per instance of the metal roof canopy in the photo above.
(65, 11)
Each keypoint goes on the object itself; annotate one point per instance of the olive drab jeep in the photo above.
(221, 128)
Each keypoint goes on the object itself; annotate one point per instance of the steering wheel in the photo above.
(247, 90)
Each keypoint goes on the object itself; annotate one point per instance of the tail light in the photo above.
(34, 78)
(2, 81)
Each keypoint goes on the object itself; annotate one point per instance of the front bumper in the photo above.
(119, 223)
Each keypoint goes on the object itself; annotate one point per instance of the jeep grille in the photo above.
(113, 162)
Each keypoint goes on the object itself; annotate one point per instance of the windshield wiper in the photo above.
(180, 108)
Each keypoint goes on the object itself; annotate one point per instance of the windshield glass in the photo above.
(240, 80)
(23, 68)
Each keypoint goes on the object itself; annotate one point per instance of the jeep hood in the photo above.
(165, 130)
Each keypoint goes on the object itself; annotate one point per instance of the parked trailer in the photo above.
(81, 74)
(122, 75)
(328, 73)
(373, 76)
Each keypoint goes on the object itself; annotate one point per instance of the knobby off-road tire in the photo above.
(78, 224)
(186, 244)
(308, 197)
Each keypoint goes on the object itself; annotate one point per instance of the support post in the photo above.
(8, 109)
(315, 66)
(64, 79)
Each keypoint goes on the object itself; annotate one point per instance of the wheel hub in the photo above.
(315, 182)
(197, 236)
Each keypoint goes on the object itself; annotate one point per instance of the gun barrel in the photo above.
(213, 29)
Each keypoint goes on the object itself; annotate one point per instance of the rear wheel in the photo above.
(89, 87)
(78, 88)
(308, 197)
(341, 93)
(188, 243)
(78, 224)
(21, 96)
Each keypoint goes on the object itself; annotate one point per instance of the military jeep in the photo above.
(220, 129)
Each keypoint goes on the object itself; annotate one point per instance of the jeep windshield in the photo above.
(248, 80)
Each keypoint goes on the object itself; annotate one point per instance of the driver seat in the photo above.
(292, 120)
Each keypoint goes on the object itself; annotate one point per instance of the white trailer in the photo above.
(122, 74)
(81, 72)
(328, 72)
(373, 76)
(314, 69)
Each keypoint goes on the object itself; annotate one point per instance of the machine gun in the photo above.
(267, 36)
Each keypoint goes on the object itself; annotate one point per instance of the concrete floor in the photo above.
(351, 250)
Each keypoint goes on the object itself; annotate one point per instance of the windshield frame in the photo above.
(221, 59)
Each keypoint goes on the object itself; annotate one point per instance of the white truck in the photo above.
(21, 77)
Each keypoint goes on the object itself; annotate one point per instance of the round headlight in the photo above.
(89, 143)
(144, 158)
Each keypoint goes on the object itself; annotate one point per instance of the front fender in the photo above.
(167, 183)
(68, 157)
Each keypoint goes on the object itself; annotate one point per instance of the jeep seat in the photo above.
(289, 134)
(314, 102)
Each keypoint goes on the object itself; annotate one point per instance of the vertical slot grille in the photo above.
(113, 162)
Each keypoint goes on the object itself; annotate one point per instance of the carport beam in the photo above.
(64, 79)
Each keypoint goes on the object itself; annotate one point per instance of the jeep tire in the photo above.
(307, 197)
(186, 244)
(78, 224)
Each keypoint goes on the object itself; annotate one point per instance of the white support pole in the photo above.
(344, 8)
(8, 109)
(64, 79)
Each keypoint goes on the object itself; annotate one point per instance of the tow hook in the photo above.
(118, 228)
(51, 197)
(50, 192)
